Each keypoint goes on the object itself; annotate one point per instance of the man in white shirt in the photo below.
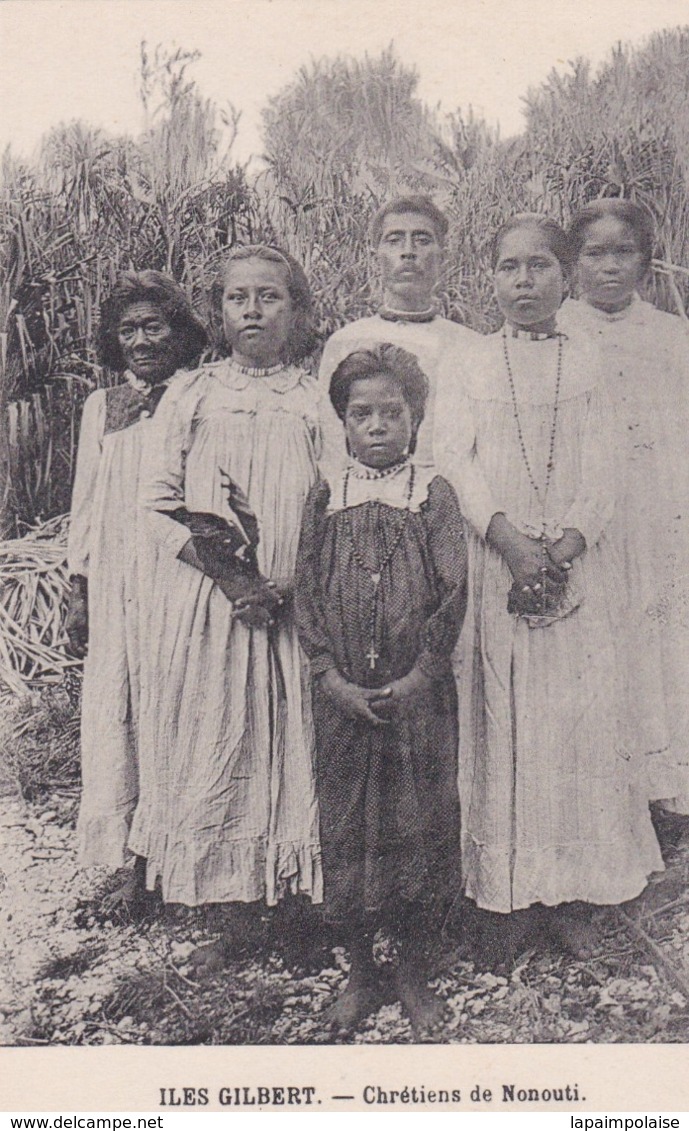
(409, 235)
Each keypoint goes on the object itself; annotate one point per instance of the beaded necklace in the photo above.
(375, 574)
(250, 371)
(541, 497)
(361, 471)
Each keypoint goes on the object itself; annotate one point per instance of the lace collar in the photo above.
(391, 487)
(362, 471)
(279, 379)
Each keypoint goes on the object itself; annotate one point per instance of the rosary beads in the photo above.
(383, 562)
(542, 497)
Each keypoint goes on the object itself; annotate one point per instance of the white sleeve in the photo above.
(454, 446)
(88, 459)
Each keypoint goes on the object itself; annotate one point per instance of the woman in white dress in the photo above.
(645, 360)
(233, 818)
(147, 330)
(549, 811)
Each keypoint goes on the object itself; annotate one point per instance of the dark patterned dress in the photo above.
(388, 796)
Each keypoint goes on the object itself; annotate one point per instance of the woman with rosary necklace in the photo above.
(551, 816)
(381, 580)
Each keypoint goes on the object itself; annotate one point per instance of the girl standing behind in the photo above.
(549, 812)
(233, 816)
(147, 331)
(380, 600)
(645, 361)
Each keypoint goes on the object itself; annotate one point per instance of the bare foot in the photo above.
(572, 926)
(424, 1008)
(237, 925)
(672, 829)
(210, 958)
(130, 895)
(492, 941)
(501, 938)
(362, 996)
(662, 889)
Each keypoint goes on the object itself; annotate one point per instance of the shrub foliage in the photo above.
(343, 136)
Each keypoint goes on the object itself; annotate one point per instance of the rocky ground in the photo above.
(73, 975)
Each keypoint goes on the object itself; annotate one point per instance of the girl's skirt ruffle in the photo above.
(205, 869)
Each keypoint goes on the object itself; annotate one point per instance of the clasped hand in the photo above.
(539, 582)
(263, 605)
(375, 705)
(540, 578)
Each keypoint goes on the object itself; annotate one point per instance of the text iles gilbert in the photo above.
(287, 1095)
(372, 1095)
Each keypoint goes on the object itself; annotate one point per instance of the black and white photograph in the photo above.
(344, 561)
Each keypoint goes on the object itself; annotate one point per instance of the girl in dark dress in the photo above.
(381, 594)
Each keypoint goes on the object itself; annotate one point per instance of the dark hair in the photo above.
(403, 205)
(174, 306)
(557, 239)
(634, 215)
(303, 338)
(388, 361)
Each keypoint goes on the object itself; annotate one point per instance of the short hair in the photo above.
(303, 338)
(402, 205)
(164, 293)
(555, 236)
(388, 361)
(637, 217)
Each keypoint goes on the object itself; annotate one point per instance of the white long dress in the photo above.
(108, 544)
(549, 809)
(645, 360)
(437, 343)
(230, 813)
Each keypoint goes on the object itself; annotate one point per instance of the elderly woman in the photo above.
(147, 332)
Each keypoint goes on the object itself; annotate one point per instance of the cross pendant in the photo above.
(372, 656)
